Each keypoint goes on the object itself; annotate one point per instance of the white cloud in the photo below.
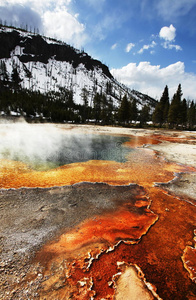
(56, 19)
(114, 46)
(167, 45)
(168, 33)
(129, 47)
(146, 47)
(61, 24)
(173, 9)
(151, 79)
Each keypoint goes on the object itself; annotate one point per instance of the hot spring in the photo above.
(44, 147)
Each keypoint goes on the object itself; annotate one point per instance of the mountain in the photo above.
(40, 65)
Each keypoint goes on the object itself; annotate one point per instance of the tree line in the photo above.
(180, 113)
(55, 106)
(22, 27)
(60, 107)
(177, 113)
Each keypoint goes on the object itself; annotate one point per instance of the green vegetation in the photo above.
(179, 114)
(160, 114)
(60, 107)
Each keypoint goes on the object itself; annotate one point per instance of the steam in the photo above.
(25, 142)
(45, 145)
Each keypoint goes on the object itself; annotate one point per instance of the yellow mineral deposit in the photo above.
(148, 238)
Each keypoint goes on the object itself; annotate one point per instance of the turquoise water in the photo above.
(47, 151)
(81, 148)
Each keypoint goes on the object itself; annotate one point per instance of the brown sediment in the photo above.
(127, 223)
(158, 255)
(83, 247)
(159, 252)
(83, 261)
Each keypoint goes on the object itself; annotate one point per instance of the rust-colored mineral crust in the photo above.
(84, 244)
(128, 224)
(148, 232)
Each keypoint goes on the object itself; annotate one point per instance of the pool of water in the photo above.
(47, 150)
(80, 148)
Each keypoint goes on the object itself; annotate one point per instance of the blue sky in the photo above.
(145, 43)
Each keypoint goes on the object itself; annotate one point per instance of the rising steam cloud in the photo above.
(47, 144)
(28, 142)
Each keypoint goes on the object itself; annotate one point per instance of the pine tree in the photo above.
(124, 110)
(144, 115)
(192, 115)
(165, 102)
(97, 107)
(110, 109)
(133, 110)
(157, 115)
(175, 107)
(183, 113)
(16, 78)
(161, 111)
(84, 97)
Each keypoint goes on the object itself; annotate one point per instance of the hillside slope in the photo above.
(43, 65)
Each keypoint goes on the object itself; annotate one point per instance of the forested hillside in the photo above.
(43, 79)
